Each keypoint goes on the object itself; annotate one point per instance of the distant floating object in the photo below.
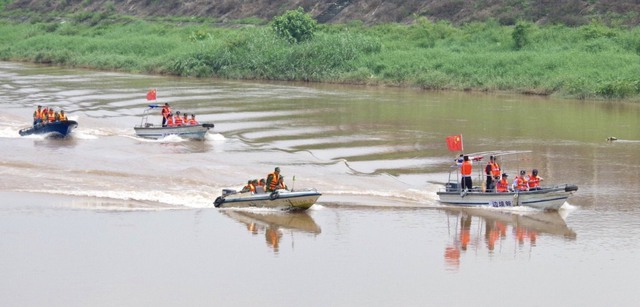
(612, 138)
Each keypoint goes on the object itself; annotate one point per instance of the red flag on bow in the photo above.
(151, 94)
(454, 142)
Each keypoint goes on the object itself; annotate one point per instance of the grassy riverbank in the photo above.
(591, 61)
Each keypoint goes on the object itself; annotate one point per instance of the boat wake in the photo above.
(143, 200)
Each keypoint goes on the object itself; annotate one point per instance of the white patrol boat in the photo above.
(151, 131)
(544, 198)
(285, 200)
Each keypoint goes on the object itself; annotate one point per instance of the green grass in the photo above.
(592, 61)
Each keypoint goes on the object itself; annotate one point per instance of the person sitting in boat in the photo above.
(502, 186)
(193, 121)
(169, 122)
(166, 110)
(249, 187)
(177, 120)
(185, 119)
(38, 114)
(51, 116)
(520, 183)
(534, 180)
(272, 180)
(262, 182)
(62, 116)
(492, 170)
(466, 168)
(281, 185)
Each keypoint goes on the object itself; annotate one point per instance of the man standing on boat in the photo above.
(272, 180)
(466, 168)
(166, 110)
(492, 170)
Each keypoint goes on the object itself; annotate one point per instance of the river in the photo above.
(104, 218)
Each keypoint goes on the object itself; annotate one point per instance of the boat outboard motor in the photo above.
(570, 188)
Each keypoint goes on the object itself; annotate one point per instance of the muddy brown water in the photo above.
(106, 218)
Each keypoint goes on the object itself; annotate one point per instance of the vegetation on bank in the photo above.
(590, 61)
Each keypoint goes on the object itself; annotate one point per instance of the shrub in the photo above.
(520, 35)
(294, 25)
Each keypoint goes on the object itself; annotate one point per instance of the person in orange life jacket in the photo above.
(502, 185)
(185, 119)
(62, 117)
(193, 121)
(262, 182)
(534, 180)
(51, 117)
(37, 115)
(520, 183)
(170, 122)
(281, 185)
(57, 116)
(166, 110)
(177, 119)
(492, 170)
(272, 180)
(466, 168)
(249, 187)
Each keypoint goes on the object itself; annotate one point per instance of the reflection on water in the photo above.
(273, 224)
(489, 232)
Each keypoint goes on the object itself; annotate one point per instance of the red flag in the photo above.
(151, 94)
(454, 142)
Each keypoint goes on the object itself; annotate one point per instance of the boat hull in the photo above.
(551, 198)
(197, 132)
(279, 200)
(56, 129)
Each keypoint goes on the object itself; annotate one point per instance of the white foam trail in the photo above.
(215, 137)
(185, 198)
(9, 132)
(83, 135)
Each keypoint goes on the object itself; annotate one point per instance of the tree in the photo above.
(520, 35)
(294, 25)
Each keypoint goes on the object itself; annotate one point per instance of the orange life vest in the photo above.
(177, 121)
(495, 169)
(170, 122)
(185, 121)
(51, 116)
(521, 183)
(193, 122)
(166, 110)
(466, 168)
(38, 114)
(63, 117)
(502, 185)
(250, 187)
(274, 181)
(534, 181)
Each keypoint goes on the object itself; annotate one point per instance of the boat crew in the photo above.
(166, 110)
(62, 117)
(492, 170)
(262, 182)
(38, 114)
(169, 122)
(272, 180)
(502, 185)
(520, 183)
(193, 121)
(281, 185)
(177, 120)
(185, 119)
(51, 117)
(57, 116)
(466, 168)
(534, 180)
(249, 187)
